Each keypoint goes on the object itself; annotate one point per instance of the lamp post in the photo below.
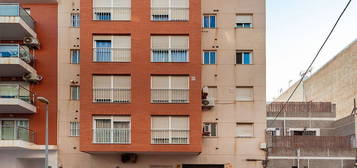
(45, 101)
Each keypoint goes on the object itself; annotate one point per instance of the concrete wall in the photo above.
(335, 82)
(16, 158)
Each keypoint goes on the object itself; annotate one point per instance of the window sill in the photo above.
(106, 143)
(112, 20)
(243, 28)
(242, 64)
(214, 137)
(244, 100)
(169, 62)
(111, 102)
(244, 136)
(169, 20)
(110, 62)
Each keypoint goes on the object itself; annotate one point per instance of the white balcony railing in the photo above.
(111, 54)
(108, 135)
(169, 136)
(111, 13)
(169, 55)
(169, 95)
(170, 14)
(111, 95)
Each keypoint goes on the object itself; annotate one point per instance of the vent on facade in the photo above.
(32, 42)
(129, 158)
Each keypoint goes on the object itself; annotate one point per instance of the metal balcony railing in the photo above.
(15, 91)
(169, 55)
(17, 133)
(17, 10)
(170, 136)
(111, 13)
(15, 50)
(169, 95)
(111, 54)
(108, 135)
(169, 14)
(111, 95)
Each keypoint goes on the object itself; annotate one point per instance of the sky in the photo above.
(295, 31)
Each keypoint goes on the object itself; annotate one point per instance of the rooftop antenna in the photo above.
(354, 110)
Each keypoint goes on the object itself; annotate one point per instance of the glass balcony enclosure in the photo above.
(16, 130)
(15, 50)
(16, 91)
(16, 10)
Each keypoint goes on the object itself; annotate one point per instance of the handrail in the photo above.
(19, 133)
(21, 52)
(17, 91)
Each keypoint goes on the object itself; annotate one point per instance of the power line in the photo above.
(307, 70)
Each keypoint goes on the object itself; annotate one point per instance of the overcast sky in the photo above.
(295, 31)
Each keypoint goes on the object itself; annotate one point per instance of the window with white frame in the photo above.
(75, 19)
(169, 48)
(209, 57)
(245, 130)
(244, 93)
(75, 92)
(244, 57)
(111, 10)
(112, 48)
(15, 129)
(170, 130)
(169, 89)
(210, 129)
(75, 56)
(244, 21)
(112, 88)
(273, 131)
(209, 21)
(74, 128)
(170, 10)
(111, 129)
(304, 131)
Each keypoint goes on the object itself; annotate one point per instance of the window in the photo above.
(244, 57)
(111, 9)
(75, 92)
(75, 56)
(75, 20)
(273, 131)
(111, 88)
(112, 49)
(74, 129)
(244, 21)
(209, 21)
(209, 57)
(170, 10)
(304, 131)
(169, 49)
(244, 93)
(245, 130)
(169, 89)
(111, 129)
(210, 129)
(15, 130)
(170, 130)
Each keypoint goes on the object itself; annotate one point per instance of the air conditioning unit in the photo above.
(32, 42)
(129, 158)
(208, 103)
(33, 78)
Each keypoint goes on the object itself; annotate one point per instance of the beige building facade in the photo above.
(233, 122)
(335, 82)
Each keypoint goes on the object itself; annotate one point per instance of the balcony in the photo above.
(169, 136)
(15, 61)
(111, 54)
(111, 95)
(13, 136)
(169, 14)
(16, 99)
(15, 23)
(111, 13)
(169, 95)
(111, 136)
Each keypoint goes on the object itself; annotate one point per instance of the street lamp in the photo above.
(45, 101)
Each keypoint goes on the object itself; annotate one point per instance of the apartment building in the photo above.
(308, 135)
(156, 84)
(335, 82)
(28, 69)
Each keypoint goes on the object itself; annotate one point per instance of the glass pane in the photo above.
(246, 58)
(103, 51)
(206, 58)
(8, 130)
(205, 21)
(212, 57)
(212, 21)
(160, 56)
(9, 51)
(213, 129)
(239, 58)
(179, 56)
(103, 16)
